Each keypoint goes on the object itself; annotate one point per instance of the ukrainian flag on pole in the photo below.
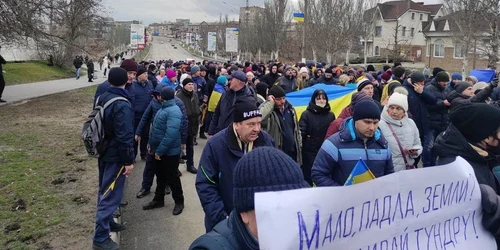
(299, 17)
(360, 173)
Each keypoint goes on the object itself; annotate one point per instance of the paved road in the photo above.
(159, 229)
(165, 50)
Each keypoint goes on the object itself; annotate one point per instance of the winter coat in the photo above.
(288, 85)
(495, 96)
(105, 63)
(303, 83)
(334, 126)
(313, 125)
(165, 138)
(90, 69)
(271, 124)
(143, 96)
(103, 87)
(417, 107)
(340, 153)
(77, 62)
(437, 112)
(200, 88)
(152, 78)
(151, 111)
(223, 115)
(214, 180)
(118, 127)
(323, 79)
(407, 133)
(457, 100)
(270, 79)
(166, 82)
(230, 234)
(217, 93)
(190, 100)
(2, 61)
(452, 143)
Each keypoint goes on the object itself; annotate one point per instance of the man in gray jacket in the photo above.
(289, 81)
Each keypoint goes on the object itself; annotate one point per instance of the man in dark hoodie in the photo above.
(152, 75)
(438, 112)
(289, 81)
(327, 78)
(474, 134)
(435, 71)
(272, 77)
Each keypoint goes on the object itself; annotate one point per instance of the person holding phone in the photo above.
(401, 132)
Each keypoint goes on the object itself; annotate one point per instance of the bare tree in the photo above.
(278, 16)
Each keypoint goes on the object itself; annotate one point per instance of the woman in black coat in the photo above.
(313, 125)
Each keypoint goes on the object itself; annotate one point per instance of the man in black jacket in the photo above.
(2, 80)
(78, 62)
(474, 134)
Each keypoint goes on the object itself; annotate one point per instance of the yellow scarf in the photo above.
(242, 144)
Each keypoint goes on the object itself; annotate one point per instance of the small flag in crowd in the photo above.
(360, 173)
(299, 17)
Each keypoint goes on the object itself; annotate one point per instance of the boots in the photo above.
(115, 227)
(109, 244)
(191, 169)
(178, 209)
(153, 204)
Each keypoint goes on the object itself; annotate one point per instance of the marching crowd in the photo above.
(397, 120)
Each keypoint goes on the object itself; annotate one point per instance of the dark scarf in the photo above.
(187, 93)
(246, 241)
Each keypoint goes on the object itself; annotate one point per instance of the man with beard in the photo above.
(327, 78)
(214, 181)
(288, 82)
(272, 77)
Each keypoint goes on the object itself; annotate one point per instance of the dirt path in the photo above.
(48, 185)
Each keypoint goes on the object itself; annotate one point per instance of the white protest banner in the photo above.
(431, 208)
(212, 41)
(232, 39)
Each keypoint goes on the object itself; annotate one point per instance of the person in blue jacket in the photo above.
(358, 138)
(214, 180)
(117, 160)
(131, 67)
(170, 79)
(265, 169)
(165, 144)
(143, 88)
(147, 118)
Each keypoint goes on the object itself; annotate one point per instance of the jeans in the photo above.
(428, 157)
(166, 171)
(190, 151)
(77, 72)
(110, 194)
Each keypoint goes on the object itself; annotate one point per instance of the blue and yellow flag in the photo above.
(338, 97)
(299, 17)
(360, 173)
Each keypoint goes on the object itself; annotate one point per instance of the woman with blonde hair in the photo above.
(343, 80)
(303, 78)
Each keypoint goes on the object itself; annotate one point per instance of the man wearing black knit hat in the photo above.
(474, 134)
(264, 169)
(131, 67)
(358, 138)
(280, 120)
(214, 181)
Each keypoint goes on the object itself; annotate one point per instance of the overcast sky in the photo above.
(150, 11)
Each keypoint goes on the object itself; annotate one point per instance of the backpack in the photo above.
(93, 129)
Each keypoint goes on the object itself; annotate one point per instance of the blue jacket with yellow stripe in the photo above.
(340, 153)
(214, 180)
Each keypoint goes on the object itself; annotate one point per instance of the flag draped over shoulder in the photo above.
(360, 173)
(338, 97)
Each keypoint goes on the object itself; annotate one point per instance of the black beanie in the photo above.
(167, 93)
(262, 88)
(436, 70)
(264, 169)
(277, 91)
(442, 76)
(141, 71)
(329, 70)
(244, 109)
(117, 76)
(476, 121)
(370, 68)
(366, 110)
(461, 86)
(186, 81)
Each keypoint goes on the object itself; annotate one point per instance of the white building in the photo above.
(399, 22)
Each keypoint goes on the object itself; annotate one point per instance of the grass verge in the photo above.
(47, 182)
(35, 71)
(141, 54)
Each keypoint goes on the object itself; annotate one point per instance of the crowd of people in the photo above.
(397, 120)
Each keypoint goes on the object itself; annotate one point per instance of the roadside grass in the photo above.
(46, 193)
(36, 71)
(141, 54)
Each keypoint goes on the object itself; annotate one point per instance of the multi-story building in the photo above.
(396, 28)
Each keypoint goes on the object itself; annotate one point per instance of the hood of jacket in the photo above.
(312, 103)
(452, 143)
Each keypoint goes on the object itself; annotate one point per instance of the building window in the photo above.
(404, 31)
(421, 17)
(439, 48)
(378, 31)
(459, 50)
(412, 34)
(377, 51)
(412, 16)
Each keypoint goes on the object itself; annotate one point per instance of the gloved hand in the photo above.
(494, 83)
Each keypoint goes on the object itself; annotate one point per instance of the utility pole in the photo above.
(247, 30)
(304, 25)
